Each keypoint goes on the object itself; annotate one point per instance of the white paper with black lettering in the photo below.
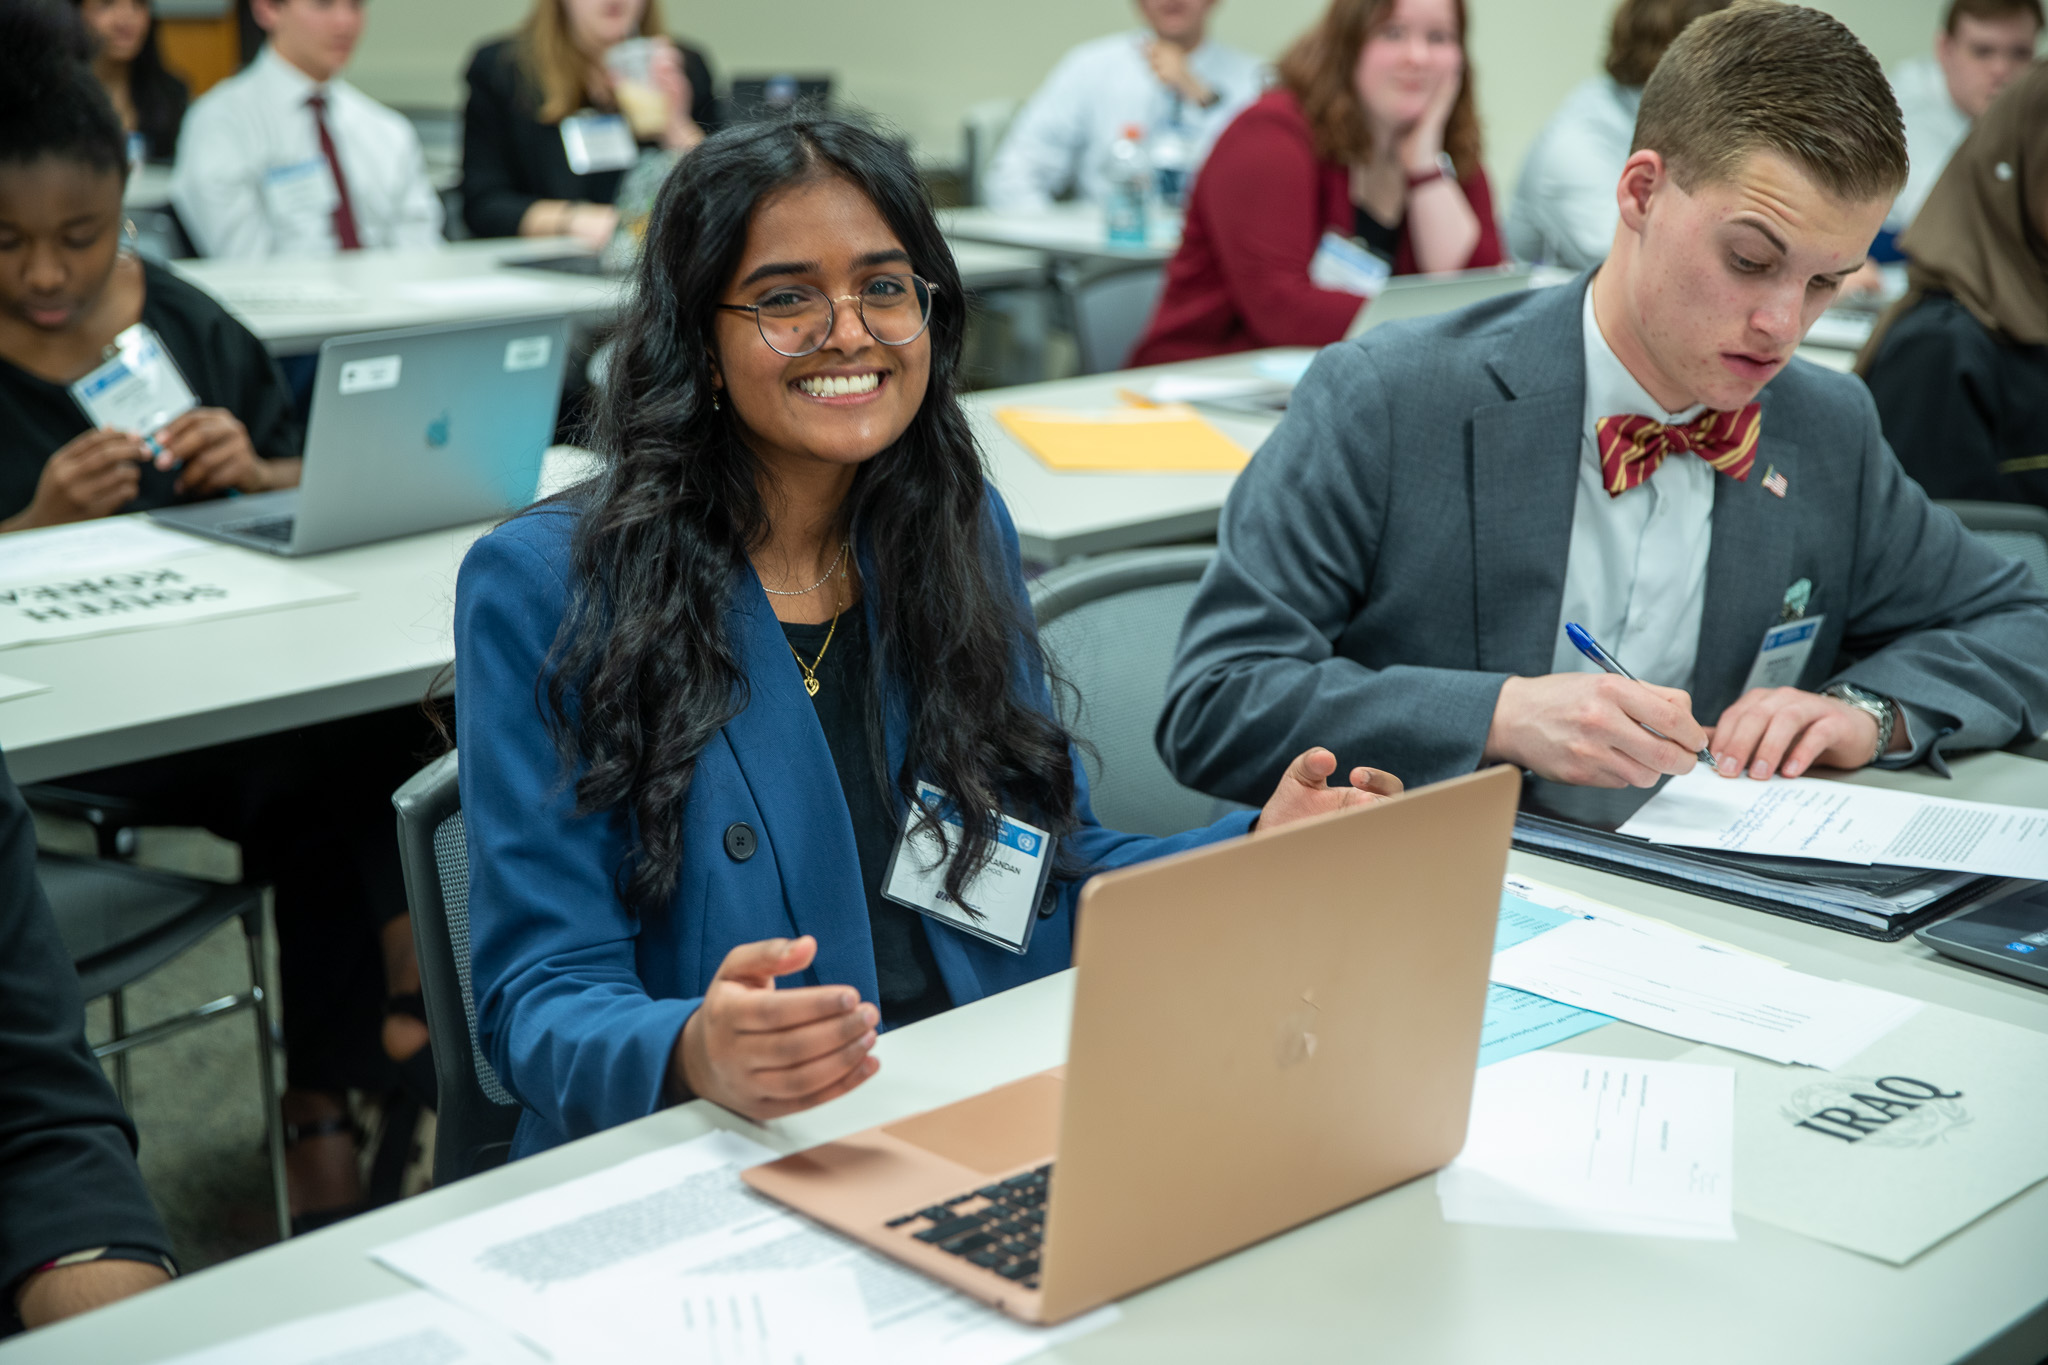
(1919, 1135)
(160, 592)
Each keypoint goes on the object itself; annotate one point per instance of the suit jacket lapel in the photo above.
(1525, 467)
(1749, 566)
(787, 765)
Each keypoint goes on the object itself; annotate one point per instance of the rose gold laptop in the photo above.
(1264, 1030)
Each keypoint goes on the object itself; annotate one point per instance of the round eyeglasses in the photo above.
(795, 319)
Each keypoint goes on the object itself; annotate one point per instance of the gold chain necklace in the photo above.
(811, 669)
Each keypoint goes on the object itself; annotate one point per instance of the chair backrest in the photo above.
(475, 1115)
(981, 132)
(1110, 311)
(1109, 626)
(2016, 530)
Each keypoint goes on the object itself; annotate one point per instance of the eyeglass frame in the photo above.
(832, 303)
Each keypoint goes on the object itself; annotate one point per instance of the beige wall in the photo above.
(920, 63)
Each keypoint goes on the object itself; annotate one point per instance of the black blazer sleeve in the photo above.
(1936, 393)
(499, 145)
(703, 99)
(68, 1179)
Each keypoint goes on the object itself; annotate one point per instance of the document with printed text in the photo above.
(1807, 817)
(1696, 991)
(216, 581)
(1916, 1137)
(1597, 1144)
(683, 1213)
(802, 1317)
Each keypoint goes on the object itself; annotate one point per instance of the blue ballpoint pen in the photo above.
(1590, 647)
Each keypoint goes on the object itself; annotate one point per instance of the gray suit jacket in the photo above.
(1397, 550)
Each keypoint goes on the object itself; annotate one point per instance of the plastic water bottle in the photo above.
(1172, 155)
(1130, 187)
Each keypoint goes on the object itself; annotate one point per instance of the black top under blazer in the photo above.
(68, 1179)
(511, 160)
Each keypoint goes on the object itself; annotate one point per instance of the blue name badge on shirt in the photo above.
(1343, 264)
(1001, 903)
(1782, 656)
(302, 189)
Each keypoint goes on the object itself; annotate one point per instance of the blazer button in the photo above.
(1049, 903)
(740, 841)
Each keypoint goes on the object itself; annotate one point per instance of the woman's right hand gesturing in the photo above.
(763, 1052)
(92, 475)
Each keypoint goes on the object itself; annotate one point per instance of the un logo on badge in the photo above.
(1026, 842)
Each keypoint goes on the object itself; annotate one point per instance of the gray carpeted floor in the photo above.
(194, 1097)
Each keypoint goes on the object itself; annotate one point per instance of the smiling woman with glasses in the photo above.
(696, 696)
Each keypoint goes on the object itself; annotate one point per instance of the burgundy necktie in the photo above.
(344, 212)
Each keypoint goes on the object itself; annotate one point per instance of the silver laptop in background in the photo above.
(1420, 296)
(411, 431)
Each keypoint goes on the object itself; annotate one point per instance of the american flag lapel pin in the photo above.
(1774, 481)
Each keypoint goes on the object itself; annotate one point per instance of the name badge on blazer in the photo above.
(598, 142)
(1000, 904)
(1342, 264)
(1782, 656)
(302, 189)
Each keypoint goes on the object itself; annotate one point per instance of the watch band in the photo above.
(1881, 709)
(1445, 169)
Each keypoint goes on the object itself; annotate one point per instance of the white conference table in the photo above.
(1073, 231)
(1062, 515)
(292, 305)
(1386, 1279)
(145, 693)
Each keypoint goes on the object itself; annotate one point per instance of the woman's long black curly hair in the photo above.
(643, 672)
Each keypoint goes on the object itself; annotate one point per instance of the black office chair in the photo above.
(2016, 530)
(475, 1115)
(121, 923)
(1110, 625)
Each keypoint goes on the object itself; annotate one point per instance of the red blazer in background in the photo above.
(1259, 207)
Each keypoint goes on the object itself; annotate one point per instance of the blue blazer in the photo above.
(579, 999)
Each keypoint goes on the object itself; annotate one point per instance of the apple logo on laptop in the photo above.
(437, 431)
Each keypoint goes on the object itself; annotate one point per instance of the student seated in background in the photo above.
(1959, 367)
(288, 159)
(695, 695)
(1166, 79)
(310, 808)
(1638, 452)
(1564, 211)
(77, 1229)
(542, 151)
(1982, 46)
(150, 100)
(1371, 135)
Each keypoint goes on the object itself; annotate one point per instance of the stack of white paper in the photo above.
(195, 582)
(1696, 991)
(91, 547)
(675, 1217)
(1808, 817)
(1597, 1144)
(407, 1329)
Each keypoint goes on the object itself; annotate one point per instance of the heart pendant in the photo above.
(811, 686)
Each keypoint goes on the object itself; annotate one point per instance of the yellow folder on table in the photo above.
(1170, 438)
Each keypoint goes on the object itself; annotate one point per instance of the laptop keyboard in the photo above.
(278, 529)
(999, 1227)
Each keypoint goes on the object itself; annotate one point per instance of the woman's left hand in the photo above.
(1304, 789)
(213, 445)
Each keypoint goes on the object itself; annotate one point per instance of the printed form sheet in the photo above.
(675, 1217)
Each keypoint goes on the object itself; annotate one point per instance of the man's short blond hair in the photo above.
(1768, 77)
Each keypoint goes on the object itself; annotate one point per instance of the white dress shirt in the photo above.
(1934, 129)
(1564, 211)
(1637, 572)
(1062, 136)
(251, 180)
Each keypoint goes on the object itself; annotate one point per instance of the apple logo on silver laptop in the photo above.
(437, 431)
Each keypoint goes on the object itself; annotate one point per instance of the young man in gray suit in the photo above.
(1638, 452)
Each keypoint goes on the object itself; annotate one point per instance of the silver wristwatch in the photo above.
(1883, 710)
